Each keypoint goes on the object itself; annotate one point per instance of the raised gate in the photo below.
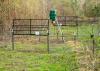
(35, 27)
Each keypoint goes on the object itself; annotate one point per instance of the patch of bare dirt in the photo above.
(75, 44)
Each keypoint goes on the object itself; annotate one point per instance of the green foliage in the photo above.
(98, 41)
(92, 10)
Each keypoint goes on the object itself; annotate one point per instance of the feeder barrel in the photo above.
(53, 15)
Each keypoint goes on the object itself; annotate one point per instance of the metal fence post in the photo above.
(48, 39)
(13, 36)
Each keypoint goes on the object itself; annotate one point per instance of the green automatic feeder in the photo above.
(53, 15)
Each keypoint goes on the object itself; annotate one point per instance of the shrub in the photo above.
(92, 10)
